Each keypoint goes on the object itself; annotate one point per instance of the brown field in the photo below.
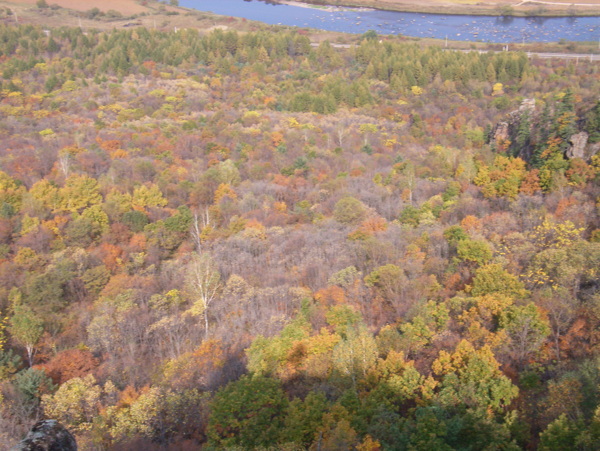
(69, 15)
(517, 7)
(126, 7)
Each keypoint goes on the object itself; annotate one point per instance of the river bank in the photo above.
(177, 18)
(463, 27)
(525, 8)
(328, 8)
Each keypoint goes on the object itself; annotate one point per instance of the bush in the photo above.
(247, 413)
(349, 210)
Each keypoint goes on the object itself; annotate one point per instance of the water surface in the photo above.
(460, 28)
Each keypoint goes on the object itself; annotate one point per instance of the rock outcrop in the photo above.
(507, 132)
(504, 131)
(47, 435)
(527, 105)
(577, 146)
(501, 132)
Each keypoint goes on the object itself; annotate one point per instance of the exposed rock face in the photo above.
(501, 132)
(527, 105)
(577, 148)
(47, 435)
(504, 130)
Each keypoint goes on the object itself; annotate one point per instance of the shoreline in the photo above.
(527, 8)
(205, 22)
(326, 8)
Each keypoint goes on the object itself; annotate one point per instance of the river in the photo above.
(459, 28)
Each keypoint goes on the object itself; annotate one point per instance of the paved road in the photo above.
(566, 56)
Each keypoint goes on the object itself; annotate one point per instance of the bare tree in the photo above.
(204, 284)
(64, 163)
(200, 220)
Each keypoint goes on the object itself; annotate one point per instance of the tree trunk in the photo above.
(29, 349)
(205, 324)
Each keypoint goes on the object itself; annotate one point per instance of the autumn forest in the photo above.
(247, 241)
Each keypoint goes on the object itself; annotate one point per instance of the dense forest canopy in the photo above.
(245, 241)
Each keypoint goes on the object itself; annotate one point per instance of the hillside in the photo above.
(242, 241)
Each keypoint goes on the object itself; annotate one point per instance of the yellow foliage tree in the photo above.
(147, 196)
(79, 192)
(46, 193)
(555, 235)
(77, 402)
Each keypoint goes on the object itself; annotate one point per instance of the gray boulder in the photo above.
(47, 435)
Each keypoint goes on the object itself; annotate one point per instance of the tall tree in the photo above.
(26, 328)
(204, 284)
